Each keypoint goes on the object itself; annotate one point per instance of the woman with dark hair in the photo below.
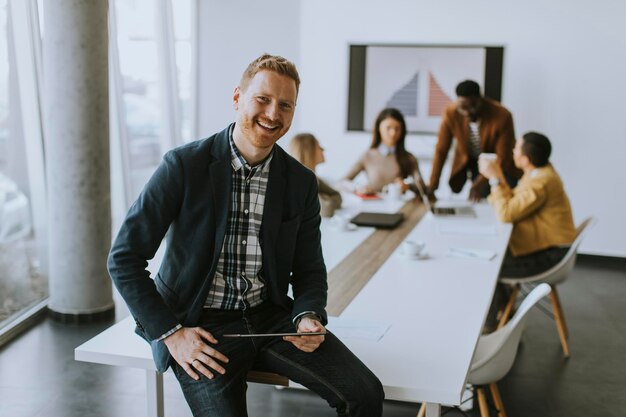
(307, 150)
(386, 161)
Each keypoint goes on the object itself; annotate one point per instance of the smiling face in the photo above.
(265, 110)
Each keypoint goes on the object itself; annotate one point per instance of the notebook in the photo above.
(380, 220)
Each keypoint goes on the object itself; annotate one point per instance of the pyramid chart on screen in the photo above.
(437, 98)
(405, 98)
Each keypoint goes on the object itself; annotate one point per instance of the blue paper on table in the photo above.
(470, 253)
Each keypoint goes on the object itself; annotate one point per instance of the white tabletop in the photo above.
(337, 244)
(436, 308)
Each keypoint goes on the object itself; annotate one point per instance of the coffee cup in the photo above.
(488, 156)
(394, 191)
(412, 248)
(340, 222)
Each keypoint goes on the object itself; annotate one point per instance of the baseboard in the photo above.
(611, 262)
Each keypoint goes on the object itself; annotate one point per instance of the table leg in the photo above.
(433, 410)
(154, 393)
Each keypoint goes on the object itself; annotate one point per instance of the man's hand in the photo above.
(478, 190)
(188, 346)
(307, 343)
(489, 168)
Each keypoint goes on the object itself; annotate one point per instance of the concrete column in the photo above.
(76, 125)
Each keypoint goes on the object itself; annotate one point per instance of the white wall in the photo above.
(564, 75)
(232, 34)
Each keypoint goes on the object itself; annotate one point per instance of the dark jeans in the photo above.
(332, 371)
(531, 264)
(520, 267)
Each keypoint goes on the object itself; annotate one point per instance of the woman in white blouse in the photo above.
(386, 161)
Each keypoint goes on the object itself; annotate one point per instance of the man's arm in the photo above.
(309, 278)
(512, 207)
(139, 238)
(444, 141)
(505, 142)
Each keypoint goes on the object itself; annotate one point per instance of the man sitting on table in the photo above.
(538, 207)
(242, 224)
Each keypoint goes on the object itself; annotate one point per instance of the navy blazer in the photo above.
(186, 201)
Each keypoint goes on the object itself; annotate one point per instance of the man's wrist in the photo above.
(308, 314)
(170, 332)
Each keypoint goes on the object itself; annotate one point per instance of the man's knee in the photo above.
(368, 399)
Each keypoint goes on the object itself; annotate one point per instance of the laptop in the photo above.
(443, 211)
(379, 220)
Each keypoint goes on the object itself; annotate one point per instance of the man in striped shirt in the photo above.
(479, 125)
(242, 222)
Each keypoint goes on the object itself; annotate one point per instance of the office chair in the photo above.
(495, 354)
(552, 276)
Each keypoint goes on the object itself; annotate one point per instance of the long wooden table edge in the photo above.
(354, 272)
(349, 277)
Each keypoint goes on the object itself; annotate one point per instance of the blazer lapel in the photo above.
(273, 210)
(220, 176)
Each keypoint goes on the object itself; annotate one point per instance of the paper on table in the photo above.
(345, 328)
(454, 228)
(469, 253)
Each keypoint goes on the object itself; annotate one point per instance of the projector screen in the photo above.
(418, 80)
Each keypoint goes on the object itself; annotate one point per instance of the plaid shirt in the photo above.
(238, 283)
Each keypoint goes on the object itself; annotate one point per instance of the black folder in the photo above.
(380, 220)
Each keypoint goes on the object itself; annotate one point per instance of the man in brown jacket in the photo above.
(480, 125)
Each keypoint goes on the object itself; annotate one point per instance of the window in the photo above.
(154, 60)
(183, 29)
(138, 64)
(23, 281)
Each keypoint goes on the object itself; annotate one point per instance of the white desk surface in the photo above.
(337, 244)
(106, 348)
(436, 308)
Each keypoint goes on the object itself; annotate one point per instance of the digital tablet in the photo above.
(274, 334)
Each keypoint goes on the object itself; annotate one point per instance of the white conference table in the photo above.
(337, 244)
(434, 309)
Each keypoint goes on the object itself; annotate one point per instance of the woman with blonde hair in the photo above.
(307, 150)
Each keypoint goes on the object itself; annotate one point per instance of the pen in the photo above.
(464, 252)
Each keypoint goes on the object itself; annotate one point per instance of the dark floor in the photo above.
(39, 377)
